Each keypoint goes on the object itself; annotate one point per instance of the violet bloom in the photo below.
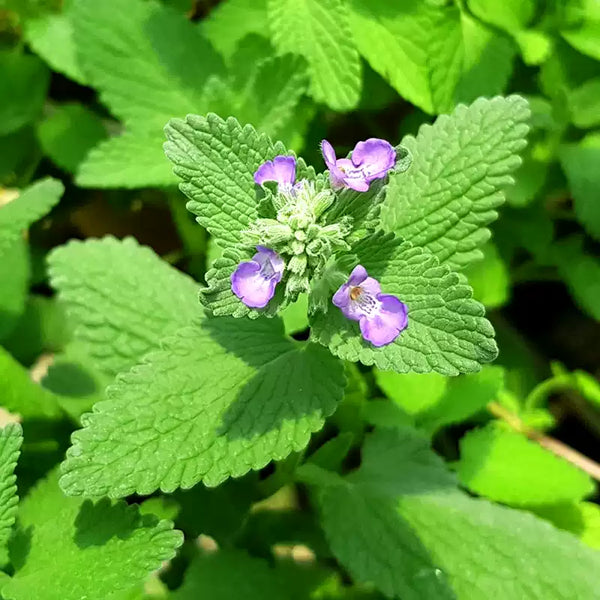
(254, 281)
(281, 169)
(370, 160)
(381, 317)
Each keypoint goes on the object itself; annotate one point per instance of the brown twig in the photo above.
(591, 467)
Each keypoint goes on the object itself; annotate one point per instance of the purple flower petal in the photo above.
(375, 157)
(381, 317)
(254, 281)
(281, 169)
(385, 326)
(328, 153)
(358, 275)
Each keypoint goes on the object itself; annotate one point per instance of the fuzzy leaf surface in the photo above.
(216, 160)
(121, 297)
(11, 438)
(447, 330)
(318, 30)
(221, 398)
(460, 166)
(59, 537)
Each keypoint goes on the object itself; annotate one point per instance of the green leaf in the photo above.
(50, 36)
(413, 392)
(489, 278)
(220, 399)
(584, 35)
(581, 273)
(412, 540)
(295, 316)
(11, 438)
(216, 160)
(581, 518)
(23, 88)
(270, 100)
(229, 574)
(318, 30)
(138, 55)
(510, 15)
(233, 20)
(460, 165)
(69, 133)
(14, 284)
(131, 160)
(121, 297)
(433, 55)
(435, 401)
(584, 104)
(77, 545)
(580, 163)
(21, 395)
(447, 330)
(32, 204)
(505, 466)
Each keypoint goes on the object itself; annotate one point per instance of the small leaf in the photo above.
(220, 399)
(505, 466)
(14, 284)
(51, 37)
(489, 278)
(318, 30)
(77, 544)
(32, 204)
(121, 298)
(11, 438)
(460, 165)
(216, 160)
(447, 330)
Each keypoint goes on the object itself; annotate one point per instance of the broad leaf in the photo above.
(318, 30)
(231, 21)
(32, 204)
(447, 330)
(430, 53)
(138, 55)
(505, 466)
(220, 399)
(51, 36)
(460, 166)
(131, 160)
(216, 160)
(412, 540)
(121, 297)
(11, 438)
(87, 549)
(581, 518)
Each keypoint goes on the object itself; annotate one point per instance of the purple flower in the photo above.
(281, 169)
(371, 159)
(381, 317)
(254, 281)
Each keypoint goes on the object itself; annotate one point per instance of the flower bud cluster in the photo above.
(299, 234)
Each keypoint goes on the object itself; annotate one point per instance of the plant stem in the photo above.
(581, 461)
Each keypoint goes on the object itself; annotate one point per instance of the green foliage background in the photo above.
(373, 483)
